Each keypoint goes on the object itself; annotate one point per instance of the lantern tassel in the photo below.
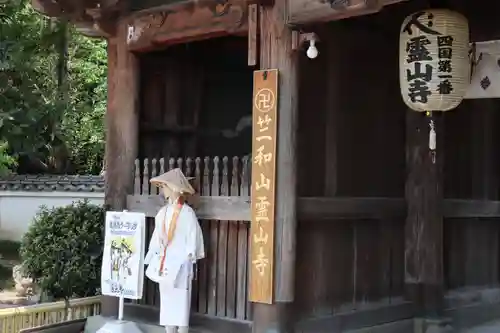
(432, 137)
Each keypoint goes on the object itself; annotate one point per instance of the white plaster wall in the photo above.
(17, 208)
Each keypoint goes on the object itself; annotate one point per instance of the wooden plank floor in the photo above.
(492, 327)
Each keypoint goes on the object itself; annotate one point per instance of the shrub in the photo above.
(62, 250)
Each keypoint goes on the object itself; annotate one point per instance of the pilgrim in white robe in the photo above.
(182, 253)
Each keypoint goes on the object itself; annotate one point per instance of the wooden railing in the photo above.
(220, 287)
(12, 320)
(231, 174)
(223, 186)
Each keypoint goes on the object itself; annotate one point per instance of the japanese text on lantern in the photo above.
(263, 184)
(429, 53)
(445, 53)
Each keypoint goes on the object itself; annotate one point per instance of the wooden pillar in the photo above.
(121, 131)
(276, 53)
(424, 223)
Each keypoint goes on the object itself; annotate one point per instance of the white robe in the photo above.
(175, 284)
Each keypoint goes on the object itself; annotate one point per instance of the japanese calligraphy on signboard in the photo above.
(434, 60)
(264, 117)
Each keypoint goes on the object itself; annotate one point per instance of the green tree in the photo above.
(27, 99)
(52, 92)
(83, 126)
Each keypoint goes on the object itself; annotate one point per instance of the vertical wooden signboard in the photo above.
(265, 98)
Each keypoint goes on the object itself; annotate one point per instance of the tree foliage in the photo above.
(6, 160)
(52, 92)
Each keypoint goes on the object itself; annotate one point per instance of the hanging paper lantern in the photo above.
(434, 60)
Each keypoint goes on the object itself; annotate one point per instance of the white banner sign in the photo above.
(123, 258)
(485, 82)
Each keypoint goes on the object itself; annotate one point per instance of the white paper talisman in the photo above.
(485, 82)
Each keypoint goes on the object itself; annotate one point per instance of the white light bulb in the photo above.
(312, 51)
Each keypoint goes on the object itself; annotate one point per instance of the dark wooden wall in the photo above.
(190, 94)
(472, 171)
(351, 144)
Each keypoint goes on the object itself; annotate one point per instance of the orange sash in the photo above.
(171, 231)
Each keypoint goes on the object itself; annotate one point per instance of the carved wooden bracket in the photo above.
(193, 22)
(65, 8)
(95, 18)
(307, 11)
(46, 7)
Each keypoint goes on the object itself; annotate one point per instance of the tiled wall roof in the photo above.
(52, 183)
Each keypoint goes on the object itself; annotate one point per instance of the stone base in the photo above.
(99, 324)
(426, 325)
(119, 326)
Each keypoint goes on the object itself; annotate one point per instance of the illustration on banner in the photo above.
(121, 252)
(122, 266)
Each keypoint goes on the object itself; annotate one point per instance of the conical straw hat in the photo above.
(175, 180)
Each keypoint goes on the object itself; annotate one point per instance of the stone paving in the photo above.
(9, 298)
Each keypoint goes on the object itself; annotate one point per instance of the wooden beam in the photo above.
(341, 208)
(458, 208)
(144, 7)
(308, 11)
(121, 131)
(424, 280)
(238, 208)
(207, 208)
(158, 29)
(318, 208)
